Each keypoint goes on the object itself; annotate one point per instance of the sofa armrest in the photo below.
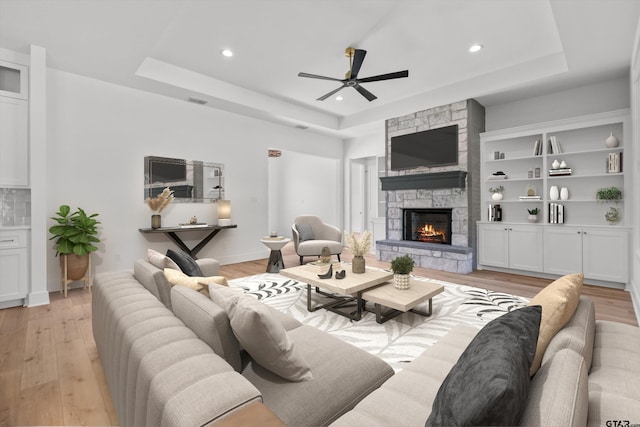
(209, 266)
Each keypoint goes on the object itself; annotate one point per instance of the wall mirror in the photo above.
(192, 181)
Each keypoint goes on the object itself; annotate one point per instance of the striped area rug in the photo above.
(398, 341)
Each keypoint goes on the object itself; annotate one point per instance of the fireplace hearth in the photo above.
(427, 225)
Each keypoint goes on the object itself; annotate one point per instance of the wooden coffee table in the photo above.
(401, 300)
(343, 292)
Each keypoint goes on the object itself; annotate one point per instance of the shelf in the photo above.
(593, 175)
(512, 159)
(513, 180)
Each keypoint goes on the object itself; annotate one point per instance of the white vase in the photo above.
(611, 141)
(496, 196)
(554, 193)
(564, 193)
(555, 164)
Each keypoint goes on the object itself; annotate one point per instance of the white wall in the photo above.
(635, 173)
(590, 99)
(97, 136)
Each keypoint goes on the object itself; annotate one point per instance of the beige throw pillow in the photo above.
(265, 339)
(559, 301)
(161, 261)
(177, 277)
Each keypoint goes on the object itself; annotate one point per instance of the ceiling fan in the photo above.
(356, 57)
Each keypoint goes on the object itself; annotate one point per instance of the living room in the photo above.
(89, 138)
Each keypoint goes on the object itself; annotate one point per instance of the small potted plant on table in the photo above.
(402, 266)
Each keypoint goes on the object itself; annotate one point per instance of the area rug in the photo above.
(397, 341)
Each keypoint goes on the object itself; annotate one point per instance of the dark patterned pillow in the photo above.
(187, 264)
(305, 231)
(489, 383)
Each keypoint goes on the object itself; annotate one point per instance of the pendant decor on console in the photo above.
(157, 205)
(554, 193)
(402, 266)
(358, 246)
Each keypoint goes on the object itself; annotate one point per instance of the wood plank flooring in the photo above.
(50, 372)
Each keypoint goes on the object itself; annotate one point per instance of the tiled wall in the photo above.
(15, 206)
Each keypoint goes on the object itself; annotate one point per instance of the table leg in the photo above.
(340, 302)
(276, 263)
(382, 317)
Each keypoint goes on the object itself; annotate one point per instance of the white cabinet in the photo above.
(599, 253)
(14, 265)
(14, 142)
(510, 246)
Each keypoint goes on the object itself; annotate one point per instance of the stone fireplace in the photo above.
(452, 191)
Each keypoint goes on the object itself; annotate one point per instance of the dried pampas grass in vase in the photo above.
(157, 205)
(358, 247)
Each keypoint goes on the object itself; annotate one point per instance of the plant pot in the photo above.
(496, 196)
(156, 221)
(554, 193)
(358, 265)
(533, 218)
(401, 281)
(76, 265)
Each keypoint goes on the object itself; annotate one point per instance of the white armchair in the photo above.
(310, 235)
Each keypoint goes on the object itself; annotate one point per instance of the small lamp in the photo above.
(224, 212)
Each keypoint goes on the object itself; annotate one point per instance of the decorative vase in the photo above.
(554, 194)
(76, 265)
(533, 218)
(612, 215)
(564, 193)
(358, 264)
(496, 196)
(611, 141)
(401, 281)
(563, 164)
(555, 164)
(156, 221)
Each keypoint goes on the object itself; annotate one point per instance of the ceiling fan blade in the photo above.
(370, 97)
(323, 97)
(358, 58)
(315, 76)
(389, 76)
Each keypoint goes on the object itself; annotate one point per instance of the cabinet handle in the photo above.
(584, 232)
(7, 241)
(579, 232)
(510, 229)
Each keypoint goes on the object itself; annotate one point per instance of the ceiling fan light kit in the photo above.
(356, 58)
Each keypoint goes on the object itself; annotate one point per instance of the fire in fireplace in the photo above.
(427, 225)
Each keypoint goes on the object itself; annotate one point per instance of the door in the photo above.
(525, 248)
(605, 255)
(357, 195)
(562, 250)
(493, 245)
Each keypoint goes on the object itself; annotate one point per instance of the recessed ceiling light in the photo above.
(227, 52)
(475, 48)
(339, 98)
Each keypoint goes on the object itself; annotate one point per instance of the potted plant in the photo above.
(75, 236)
(358, 247)
(533, 214)
(401, 267)
(612, 215)
(612, 194)
(157, 204)
(496, 192)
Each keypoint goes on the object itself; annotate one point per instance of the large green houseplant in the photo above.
(75, 234)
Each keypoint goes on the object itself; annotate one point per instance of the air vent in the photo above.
(197, 100)
(302, 127)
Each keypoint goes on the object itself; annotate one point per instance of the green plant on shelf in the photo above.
(498, 189)
(611, 194)
(533, 211)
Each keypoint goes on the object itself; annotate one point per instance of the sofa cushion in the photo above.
(305, 231)
(161, 261)
(559, 301)
(265, 339)
(490, 382)
(187, 264)
(196, 283)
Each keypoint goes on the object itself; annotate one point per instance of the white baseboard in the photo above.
(37, 298)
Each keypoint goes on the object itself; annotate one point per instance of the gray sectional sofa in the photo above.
(183, 366)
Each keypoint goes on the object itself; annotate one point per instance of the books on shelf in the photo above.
(537, 147)
(614, 163)
(560, 172)
(556, 213)
(529, 198)
(554, 145)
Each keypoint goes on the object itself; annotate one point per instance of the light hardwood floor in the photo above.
(50, 372)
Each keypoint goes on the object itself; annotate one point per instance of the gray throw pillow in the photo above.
(187, 264)
(489, 384)
(305, 231)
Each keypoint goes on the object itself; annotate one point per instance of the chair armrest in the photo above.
(331, 232)
(296, 236)
(209, 266)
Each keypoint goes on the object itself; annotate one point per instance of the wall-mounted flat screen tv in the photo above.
(429, 148)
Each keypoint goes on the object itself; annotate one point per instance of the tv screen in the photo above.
(429, 148)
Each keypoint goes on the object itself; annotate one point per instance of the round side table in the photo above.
(275, 258)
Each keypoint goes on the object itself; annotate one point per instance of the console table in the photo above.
(172, 232)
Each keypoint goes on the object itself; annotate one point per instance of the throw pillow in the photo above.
(187, 264)
(265, 339)
(305, 231)
(489, 383)
(161, 261)
(559, 301)
(197, 283)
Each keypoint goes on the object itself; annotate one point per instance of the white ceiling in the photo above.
(173, 47)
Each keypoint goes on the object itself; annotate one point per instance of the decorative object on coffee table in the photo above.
(328, 274)
(325, 255)
(358, 247)
(157, 205)
(402, 266)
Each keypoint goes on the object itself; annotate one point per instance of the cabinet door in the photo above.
(13, 283)
(14, 142)
(606, 255)
(563, 250)
(525, 248)
(493, 245)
